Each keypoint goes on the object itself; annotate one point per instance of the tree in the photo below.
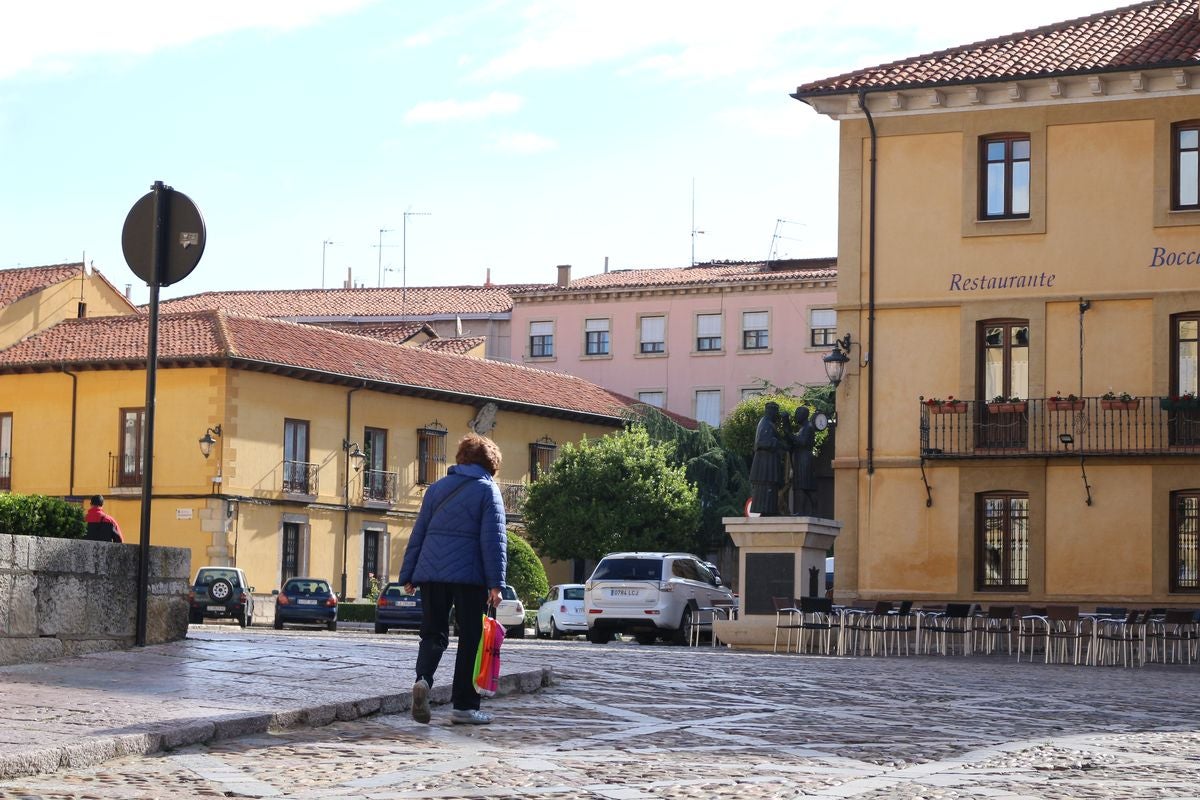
(526, 574)
(619, 492)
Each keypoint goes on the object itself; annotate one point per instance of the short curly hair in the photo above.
(476, 449)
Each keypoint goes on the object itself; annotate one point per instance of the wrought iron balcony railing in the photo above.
(513, 495)
(5, 472)
(379, 486)
(1046, 427)
(299, 477)
(124, 471)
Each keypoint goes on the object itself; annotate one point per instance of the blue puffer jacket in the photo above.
(465, 541)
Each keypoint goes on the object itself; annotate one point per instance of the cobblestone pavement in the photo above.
(625, 722)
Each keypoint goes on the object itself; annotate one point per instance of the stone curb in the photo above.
(159, 737)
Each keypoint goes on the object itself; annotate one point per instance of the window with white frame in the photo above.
(541, 340)
(708, 406)
(596, 342)
(656, 399)
(823, 322)
(755, 392)
(653, 335)
(708, 332)
(755, 330)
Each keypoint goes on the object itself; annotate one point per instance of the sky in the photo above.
(510, 135)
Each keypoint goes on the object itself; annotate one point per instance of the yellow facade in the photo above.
(230, 509)
(1098, 229)
(87, 294)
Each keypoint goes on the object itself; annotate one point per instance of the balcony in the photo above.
(1047, 427)
(514, 497)
(299, 477)
(379, 487)
(5, 472)
(124, 472)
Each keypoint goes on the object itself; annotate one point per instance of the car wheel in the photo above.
(278, 624)
(516, 632)
(684, 631)
(646, 638)
(599, 637)
(555, 631)
(244, 618)
(537, 628)
(220, 591)
(331, 625)
(380, 628)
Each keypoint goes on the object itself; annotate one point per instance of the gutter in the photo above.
(862, 102)
(74, 404)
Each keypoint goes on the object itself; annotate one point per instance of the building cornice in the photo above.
(606, 293)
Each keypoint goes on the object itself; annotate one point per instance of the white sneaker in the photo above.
(420, 701)
(468, 716)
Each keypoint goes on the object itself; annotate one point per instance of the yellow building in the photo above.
(1020, 219)
(319, 443)
(34, 298)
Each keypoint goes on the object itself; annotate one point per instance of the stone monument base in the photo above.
(777, 557)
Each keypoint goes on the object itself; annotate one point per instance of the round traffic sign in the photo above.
(182, 229)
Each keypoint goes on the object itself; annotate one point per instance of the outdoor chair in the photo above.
(713, 613)
(818, 625)
(995, 628)
(1123, 639)
(1173, 637)
(956, 622)
(787, 618)
(854, 623)
(1066, 634)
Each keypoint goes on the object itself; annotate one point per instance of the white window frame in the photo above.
(696, 405)
(592, 325)
(643, 341)
(816, 322)
(706, 332)
(661, 392)
(544, 329)
(745, 328)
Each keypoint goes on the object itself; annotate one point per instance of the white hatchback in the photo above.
(652, 596)
(511, 613)
(561, 612)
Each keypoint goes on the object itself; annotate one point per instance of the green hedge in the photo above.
(356, 612)
(38, 515)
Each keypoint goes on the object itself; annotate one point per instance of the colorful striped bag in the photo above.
(487, 657)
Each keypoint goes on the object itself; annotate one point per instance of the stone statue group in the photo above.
(776, 438)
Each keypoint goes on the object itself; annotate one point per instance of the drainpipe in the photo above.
(346, 513)
(74, 401)
(862, 102)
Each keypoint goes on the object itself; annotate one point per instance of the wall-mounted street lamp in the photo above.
(207, 441)
(836, 361)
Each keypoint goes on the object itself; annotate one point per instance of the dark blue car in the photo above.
(397, 609)
(306, 600)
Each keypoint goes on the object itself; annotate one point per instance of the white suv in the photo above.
(651, 595)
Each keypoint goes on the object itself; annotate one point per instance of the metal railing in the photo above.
(1047, 427)
(124, 471)
(299, 477)
(5, 472)
(513, 495)
(379, 486)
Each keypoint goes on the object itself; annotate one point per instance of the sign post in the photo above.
(162, 240)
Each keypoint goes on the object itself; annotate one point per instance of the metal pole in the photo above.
(158, 259)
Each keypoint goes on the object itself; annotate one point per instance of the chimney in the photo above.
(564, 275)
(606, 265)
(487, 282)
(128, 290)
(349, 284)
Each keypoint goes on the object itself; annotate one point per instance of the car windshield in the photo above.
(629, 569)
(508, 593)
(574, 593)
(397, 590)
(306, 587)
(206, 576)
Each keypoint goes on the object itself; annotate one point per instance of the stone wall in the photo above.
(62, 597)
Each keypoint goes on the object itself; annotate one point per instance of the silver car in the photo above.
(652, 596)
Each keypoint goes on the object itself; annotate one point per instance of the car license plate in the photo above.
(406, 603)
(216, 608)
(623, 592)
(307, 602)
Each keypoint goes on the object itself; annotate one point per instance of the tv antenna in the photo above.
(404, 258)
(779, 223)
(324, 246)
(695, 232)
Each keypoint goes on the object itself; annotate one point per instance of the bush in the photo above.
(526, 574)
(356, 612)
(39, 515)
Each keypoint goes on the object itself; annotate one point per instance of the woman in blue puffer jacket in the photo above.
(457, 554)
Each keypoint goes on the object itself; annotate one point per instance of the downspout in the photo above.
(862, 102)
(346, 513)
(74, 401)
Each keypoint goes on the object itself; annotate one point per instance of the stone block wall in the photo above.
(61, 597)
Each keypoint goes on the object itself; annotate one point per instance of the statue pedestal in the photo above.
(777, 557)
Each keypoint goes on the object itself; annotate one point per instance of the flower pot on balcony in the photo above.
(1178, 403)
(1120, 405)
(1064, 405)
(948, 408)
(1007, 408)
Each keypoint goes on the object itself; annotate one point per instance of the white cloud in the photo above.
(523, 143)
(55, 35)
(494, 104)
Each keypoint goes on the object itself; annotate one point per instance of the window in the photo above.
(656, 399)
(5, 452)
(290, 567)
(296, 473)
(133, 438)
(823, 322)
(376, 480)
(1002, 548)
(431, 453)
(708, 332)
(1185, 541)
(371, 561)
(755, 335)
(541, 456)
(1004, 176)
(755, 392)
(653, 335)
(1184, 423)
(1003, 361)
(708, 406)
(1185, 166)
(596, 337)
(541, 340)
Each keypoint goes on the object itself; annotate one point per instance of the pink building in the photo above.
(692, 340)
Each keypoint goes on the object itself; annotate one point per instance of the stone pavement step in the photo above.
(214, 685)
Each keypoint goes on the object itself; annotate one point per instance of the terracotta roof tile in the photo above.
(206, 337)
(716, 273)
(19, 283)
(394, 332)
(416, 301)
(460, 345)
(1143, 36)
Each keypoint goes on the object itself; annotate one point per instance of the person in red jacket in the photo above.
(101, 527)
